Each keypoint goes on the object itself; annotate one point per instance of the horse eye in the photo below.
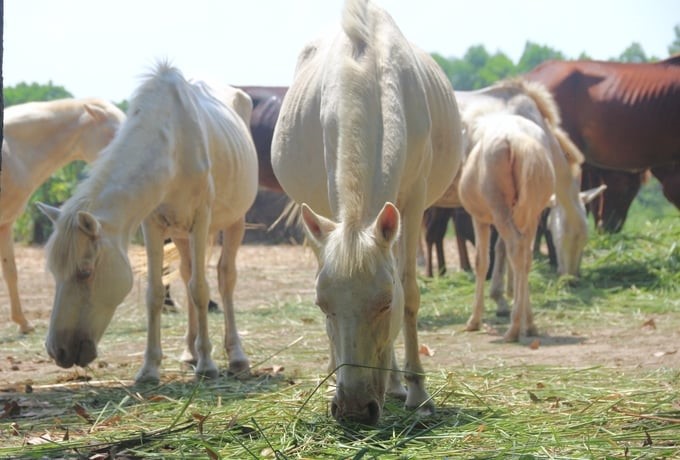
(84, 274)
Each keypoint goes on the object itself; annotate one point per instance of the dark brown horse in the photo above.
(625, 118)
(266, 106)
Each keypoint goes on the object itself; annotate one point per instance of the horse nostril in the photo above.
(334, 409)
(373, 413)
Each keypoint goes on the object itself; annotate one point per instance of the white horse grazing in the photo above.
(40, 138)
(368, 136)
(184, 164)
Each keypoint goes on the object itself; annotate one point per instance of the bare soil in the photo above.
(274, 275)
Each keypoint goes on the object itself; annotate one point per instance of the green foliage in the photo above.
(535, 54)
(633, 54)
(24, 92)
(674, 47)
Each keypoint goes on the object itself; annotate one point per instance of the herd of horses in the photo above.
(368, 139)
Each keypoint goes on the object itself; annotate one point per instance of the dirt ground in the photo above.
(269, 274)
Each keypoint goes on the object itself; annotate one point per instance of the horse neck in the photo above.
(116, 196)
(46, 144)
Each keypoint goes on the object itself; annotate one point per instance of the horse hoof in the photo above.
(26, 328)
(472, 326)
(511, 336)
(211, 374)
(424, 410)
(146, 377)
(239, 369)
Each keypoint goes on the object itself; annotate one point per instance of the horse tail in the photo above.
(358, 101)
(533, 176)
(542, 98)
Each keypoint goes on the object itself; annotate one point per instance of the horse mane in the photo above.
(357, 141)
(549, 110)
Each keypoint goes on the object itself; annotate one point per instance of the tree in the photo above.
(674, 47)
(24, 92)
(633, 54)
(534, 55)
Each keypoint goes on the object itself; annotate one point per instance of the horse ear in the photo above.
(387, 224)
(317, 227)
(50, 211)
(95, 112)
(89, 224)
(589, 195)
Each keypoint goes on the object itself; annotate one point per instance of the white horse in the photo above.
(368, 136)
(183, 164)
(40, 138)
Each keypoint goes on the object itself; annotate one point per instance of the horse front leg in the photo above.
(417, 396)
(226, 275)
(9, 272)
(200, 293)
(155, 293)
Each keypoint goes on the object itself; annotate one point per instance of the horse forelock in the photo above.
(350, 250)
(62, 247)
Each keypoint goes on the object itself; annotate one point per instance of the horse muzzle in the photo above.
(80, 352)
(365, 412)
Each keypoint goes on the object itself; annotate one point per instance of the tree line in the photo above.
(478, 68)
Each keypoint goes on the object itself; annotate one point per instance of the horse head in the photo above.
(92, 275)
(100, 121)
(570, 235)
(358, 288)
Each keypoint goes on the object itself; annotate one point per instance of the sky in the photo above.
(100, 48)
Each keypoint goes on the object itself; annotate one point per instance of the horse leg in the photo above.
(395, 387)
(9, 272)
(189, 355)
(482, 232)
(155, 293)
(463, 257)
(200, 292)
(497, 290)
(417, 396)
(519, 248)
(226, 275)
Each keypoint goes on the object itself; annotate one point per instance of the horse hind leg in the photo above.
(233, 236)
(497, 290)
(9, 272)
(482, 232)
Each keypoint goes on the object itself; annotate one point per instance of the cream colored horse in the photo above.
(518, 159)
(507, 181)
(368, 137)
(534, 102)
(40, 138)
(183, 165)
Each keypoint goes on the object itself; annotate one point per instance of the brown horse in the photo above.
(266, 107)
(625, 118)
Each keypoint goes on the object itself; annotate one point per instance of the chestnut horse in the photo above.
(625, 118)
(40, 138)
(184, 166)
(368, 137)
